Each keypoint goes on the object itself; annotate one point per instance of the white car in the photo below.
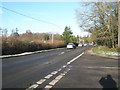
(71, 46)
(80, 45)
(85, 44)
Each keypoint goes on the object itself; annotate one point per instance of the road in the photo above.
(65, 68)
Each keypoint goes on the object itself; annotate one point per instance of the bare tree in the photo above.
(100, 19)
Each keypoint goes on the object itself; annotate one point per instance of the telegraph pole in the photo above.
(52, 37)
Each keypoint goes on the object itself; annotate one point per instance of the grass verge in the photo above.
(106, 51)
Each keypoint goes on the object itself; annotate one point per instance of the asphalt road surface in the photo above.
(65, 68)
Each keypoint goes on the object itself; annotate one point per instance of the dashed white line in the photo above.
(41, 81)
(59, 69)
(33, 87)
(54, 72)
(59, 77)
(53, 82)
(61, 53)
(47, 87)
(105, 67)
(48, 76)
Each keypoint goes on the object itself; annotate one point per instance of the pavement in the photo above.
(66, 68)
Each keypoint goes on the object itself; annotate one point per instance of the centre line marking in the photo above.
(48, 76)
(32, 87)
(53, 73)
(41, 81)
(47, 87)
(53, 82)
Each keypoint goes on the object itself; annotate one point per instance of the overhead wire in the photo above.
(31, 17)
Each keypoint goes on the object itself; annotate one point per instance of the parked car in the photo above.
(80, 45)
(71, 46)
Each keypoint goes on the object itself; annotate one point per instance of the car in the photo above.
(85, 44)
(75, 44)
(80, 45)
(71, 46)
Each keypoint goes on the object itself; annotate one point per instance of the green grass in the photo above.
(105, 51)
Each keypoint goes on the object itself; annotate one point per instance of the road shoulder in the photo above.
(88, 70)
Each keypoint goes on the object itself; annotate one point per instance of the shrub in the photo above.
(12, 45)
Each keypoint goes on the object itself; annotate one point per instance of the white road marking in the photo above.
(48, 76)
(48, 87)
(68, 63)
(53, 82)
(61, 53)
(32, 87)
(59, 69)
(105, 67)
(64, 66)
(75, 58)
(59, 77)
(54, 72)
(68, 69)
(41, 81)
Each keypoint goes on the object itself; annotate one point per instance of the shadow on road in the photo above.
(108, 83)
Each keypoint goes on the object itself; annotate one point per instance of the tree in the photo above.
(67, 34)
(4, 32)
(101, 21)
(15, 34)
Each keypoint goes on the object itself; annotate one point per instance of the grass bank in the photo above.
(106, 51)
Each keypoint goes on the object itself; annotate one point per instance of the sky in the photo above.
(61, 14)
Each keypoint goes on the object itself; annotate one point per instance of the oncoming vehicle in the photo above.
(71, 46)
(85, 44)
(80, 45)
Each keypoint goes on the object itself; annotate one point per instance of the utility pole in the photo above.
(52, 37)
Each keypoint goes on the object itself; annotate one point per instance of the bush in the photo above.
(14, 45)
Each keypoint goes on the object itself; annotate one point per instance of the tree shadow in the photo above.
(108, 83)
